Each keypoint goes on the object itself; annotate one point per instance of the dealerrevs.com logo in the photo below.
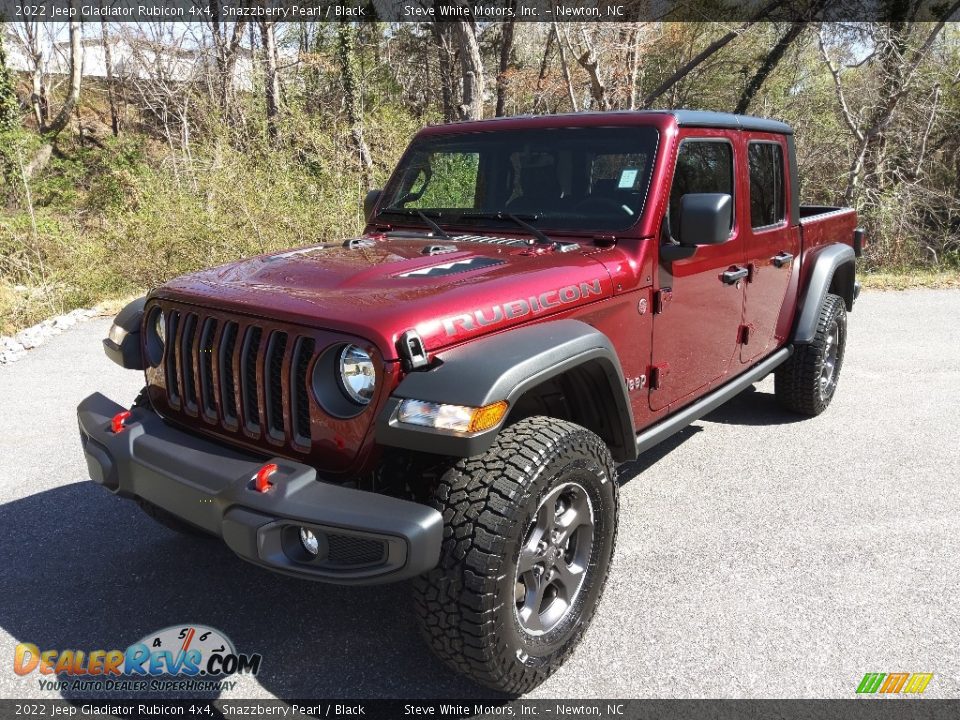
(180, 657)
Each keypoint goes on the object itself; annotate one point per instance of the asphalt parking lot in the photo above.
(759, 555)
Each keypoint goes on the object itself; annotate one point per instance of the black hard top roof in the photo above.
(685, 118)
(706, 118)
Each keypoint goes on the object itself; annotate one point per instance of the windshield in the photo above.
(568, 178)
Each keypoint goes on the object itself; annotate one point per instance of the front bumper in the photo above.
(365, 538)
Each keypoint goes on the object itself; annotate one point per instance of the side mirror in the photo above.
(370, 202)
(705, 218)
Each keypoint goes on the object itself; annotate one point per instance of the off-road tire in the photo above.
(798, 382)
(467, 606)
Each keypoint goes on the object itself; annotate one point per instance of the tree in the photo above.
(9, 106)
(471, 63)
(76, 77)
(769, 64)
(506, 50)
(898, 64)
(226, 49)
(108, 61)
(346, 46)
(271, 76)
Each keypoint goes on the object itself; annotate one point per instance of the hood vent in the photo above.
(357, 243)
(452, 268)
(515, 242)
(438, 249)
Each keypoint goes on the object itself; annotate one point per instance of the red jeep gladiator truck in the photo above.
(446, 397)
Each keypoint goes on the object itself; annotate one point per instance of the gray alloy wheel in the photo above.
(828, 371)
(554, 558)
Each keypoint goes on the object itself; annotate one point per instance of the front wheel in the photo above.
(529, 532)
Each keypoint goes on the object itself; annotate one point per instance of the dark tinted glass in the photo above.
(766, 184)
(569, 178)
(702, 167)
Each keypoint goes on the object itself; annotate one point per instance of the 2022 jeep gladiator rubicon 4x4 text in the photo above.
(446, 397)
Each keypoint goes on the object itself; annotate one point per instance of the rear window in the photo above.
(767, 205)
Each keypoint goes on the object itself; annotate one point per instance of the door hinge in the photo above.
(661, 300)
(743, 335)
(658, 374)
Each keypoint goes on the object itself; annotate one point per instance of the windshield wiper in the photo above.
(520, 220)
(423, 216)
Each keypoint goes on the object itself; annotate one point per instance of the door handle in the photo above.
(730, 277)
(781, 259)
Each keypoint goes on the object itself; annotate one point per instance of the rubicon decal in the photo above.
(520, 307)
(186, 651)
(894, 683)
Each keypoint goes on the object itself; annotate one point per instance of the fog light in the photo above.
(309, 541)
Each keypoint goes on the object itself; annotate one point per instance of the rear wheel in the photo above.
(806, 383)
(529, 531)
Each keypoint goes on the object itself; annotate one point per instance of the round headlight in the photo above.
(154, 331)
(357, 375)
(160, 327)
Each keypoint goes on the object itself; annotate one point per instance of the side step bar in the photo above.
(677, 422)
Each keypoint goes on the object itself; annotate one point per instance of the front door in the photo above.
(695, 331)
(772, 246)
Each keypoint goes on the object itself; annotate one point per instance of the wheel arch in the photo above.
(519, 366)
(834, 271)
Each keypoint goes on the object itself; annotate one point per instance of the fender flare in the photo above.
(829, 262)
(504, 367)
(128, 354)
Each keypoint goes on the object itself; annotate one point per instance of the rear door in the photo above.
(771, 244)
(695, 332)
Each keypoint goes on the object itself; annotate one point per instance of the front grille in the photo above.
(236, 375)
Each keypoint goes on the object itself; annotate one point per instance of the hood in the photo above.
(377, 287)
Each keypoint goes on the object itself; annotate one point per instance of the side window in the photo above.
(703, 166)
(767, 206)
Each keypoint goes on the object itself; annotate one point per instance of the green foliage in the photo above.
(117, 219)
(452, 183)
(9, 106)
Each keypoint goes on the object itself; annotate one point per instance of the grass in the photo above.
(910, 278)
(101, 223)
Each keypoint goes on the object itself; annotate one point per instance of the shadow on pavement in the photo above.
(82, 569)
(752, 407)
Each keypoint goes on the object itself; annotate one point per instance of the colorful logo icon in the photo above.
(179, 650)
(894, 683)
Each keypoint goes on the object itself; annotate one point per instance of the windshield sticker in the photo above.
(627, 178)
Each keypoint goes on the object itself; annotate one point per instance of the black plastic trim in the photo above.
(504, 367)
(707, 118)
(209, 486)
(129, 353)
(827, 261)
